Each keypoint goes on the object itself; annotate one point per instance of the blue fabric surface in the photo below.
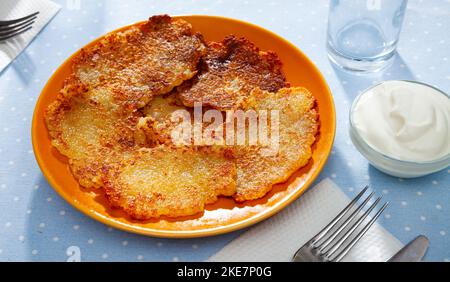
(37, 225)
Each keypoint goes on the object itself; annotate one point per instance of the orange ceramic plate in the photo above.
(224, 215)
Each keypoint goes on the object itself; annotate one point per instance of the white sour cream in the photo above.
(404, 120)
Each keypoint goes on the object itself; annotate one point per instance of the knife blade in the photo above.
(414, 251)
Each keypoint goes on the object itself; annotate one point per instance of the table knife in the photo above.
(413, 251)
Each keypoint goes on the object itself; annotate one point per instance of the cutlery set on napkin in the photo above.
(24, 31)
(278, 238)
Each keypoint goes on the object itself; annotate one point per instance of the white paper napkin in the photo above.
(14, 9)
(278, 238)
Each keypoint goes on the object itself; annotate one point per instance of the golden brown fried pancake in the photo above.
(88, 134)
(140, 62)
(165, 114)
(229, 72)
(158, 122)
(94, 118)
(258, 169)
(170, 181)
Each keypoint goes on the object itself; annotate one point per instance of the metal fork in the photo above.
(11, 28)
(338, 237)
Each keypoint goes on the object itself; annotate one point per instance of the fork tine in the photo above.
(10, 22)
(17, 32)
(338, 217)
(344, 252)
(21, 24)
(349, 232)
(337, 232)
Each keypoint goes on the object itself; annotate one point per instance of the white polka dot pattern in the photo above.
(36, 224)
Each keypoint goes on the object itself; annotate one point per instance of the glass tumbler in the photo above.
(363, 34)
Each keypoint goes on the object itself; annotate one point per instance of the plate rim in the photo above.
(213, 231)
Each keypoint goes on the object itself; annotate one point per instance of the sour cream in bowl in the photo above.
(402, 128)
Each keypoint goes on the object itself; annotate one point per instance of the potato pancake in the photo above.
(229, 72)
(88, 134)
(93, 120)
(170, 181)
(164, 115)
(156, 126)
(259, 169)
(139, 63)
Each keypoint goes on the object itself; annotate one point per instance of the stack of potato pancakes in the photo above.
(112, 119)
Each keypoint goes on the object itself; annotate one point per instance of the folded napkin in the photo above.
(278, 238)
(14, 9)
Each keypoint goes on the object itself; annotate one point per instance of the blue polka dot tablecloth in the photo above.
(38, 225)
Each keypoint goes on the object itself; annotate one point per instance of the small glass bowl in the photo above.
(390, 165)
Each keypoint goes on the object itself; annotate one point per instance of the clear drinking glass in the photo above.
(363, 34)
